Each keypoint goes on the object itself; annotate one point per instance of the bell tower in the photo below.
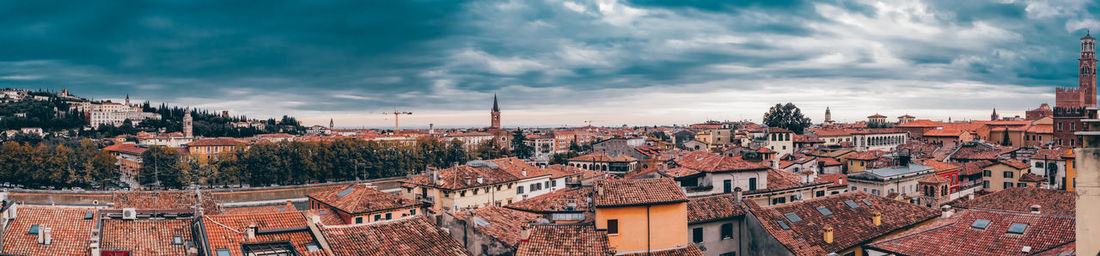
(1087, 74)
(494, 114)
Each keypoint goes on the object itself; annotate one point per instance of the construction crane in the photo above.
(396, 114)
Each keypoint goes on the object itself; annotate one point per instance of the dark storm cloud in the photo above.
(310, 57)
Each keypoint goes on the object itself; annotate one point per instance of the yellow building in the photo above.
(860, 161)
(462, 187)
(642, 215)
(1071, 170)
(1005, 174)
(359, 203)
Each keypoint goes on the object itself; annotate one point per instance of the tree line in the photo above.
(57, 164)
(304, 162)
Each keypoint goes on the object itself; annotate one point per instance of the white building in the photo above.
(780, 140)
(883, 181)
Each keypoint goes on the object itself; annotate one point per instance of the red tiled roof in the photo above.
(712, 208)
(777, 130)
(973, 168)
(1050, 201)
(70, 232)
(764, 150)
(570, 170)
(327, 217)
(876, 115)
(828, 161)
(565, 240)
(689, 250)
(261, 209)
(228, 231)
(709, 162)
(680, 172)
(1047, 154)
(503, 222)
(638, 192)
(866, 155)
(465, 176)
(934, 179)
(837, 179)
(413, 235)
(943, 133)
(780, 180)
(806, 139)
(831, 132)
(361, 199)
(955, 236)
(146, 236)
(556, 202)
(600, 156)
(1014, 163)
(939, 166)
(1041, 128)
(213, 142)
(516, 167)
(126, 148)
(851, 227)
(1030, 177)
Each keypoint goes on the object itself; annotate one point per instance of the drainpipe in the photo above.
(648, 235)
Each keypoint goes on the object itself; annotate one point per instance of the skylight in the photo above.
(345, 192)
(852, 204)
(866, 202)
(792, 217)
(177, 240)
(222, 252)
(89, 215)
(784, 225)
(33, 231)
(824, 211)
(1017, 228)
(480, 222)
(311, 247)
(980, 224)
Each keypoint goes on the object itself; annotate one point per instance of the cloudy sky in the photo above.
(553, 63)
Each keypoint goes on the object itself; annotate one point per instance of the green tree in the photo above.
(520, 149)
(788, 117)
(161, 168)
(563, 158)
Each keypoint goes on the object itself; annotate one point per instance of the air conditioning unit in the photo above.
(129, 214)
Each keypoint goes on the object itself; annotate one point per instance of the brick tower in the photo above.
(495, 114)
(1087, 77)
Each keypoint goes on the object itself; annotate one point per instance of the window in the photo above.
(1021, 185)
(1017, 228)
(985, 184)
(852, 204)
(868, 203)
(358, 220)
(1008, 185)
(697, 235)
(412, 212)
(987, 173)
(389, 216)
(727, 186)
(177, 240)
(33, 231)
(519, 190)
(727, 230)
(783, 225)
(980, 224)
(222, 252)
(553, 183)
(874, 192)
(820, 193)
(824, 211)
(792, 217)
(794, 198)
(752, 184)
(1009, 174)
(612, 227)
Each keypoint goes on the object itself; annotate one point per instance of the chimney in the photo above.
(828, 234)
(289, 205)
(946, 211)
(877, 219)
(93, 249)
(524, 173)
(251, 232)
(1035, 209)
(480, 180)
(46, 239)
(737, 195)
(524, 233)
(599, 190)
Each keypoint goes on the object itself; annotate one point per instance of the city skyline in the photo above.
(555, 63)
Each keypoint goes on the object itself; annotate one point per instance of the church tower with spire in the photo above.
(994, 116)
(331, 124)
(495, 114)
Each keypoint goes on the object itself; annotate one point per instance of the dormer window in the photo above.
(33, 230)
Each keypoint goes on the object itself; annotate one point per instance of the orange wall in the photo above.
(1071, 175)
(667, 223)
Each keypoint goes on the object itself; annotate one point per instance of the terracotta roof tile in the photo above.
(413, 235)
(147, 237)
(973, 168)
(1050, 201)
(565, 240)
(828, 161)
(599, 156)
(359, 199)
(955, 236)
(126, 148)
(921, 123)
(228, 231)
(851, 226)
(70, 232)
(465, 176)
(261, 209)
(934, 179)
(712, 208)
(557, 201)
(638, 192)
(1030, 177)
(690, 250)
(940, 166)
(836, 179)
(503, 224)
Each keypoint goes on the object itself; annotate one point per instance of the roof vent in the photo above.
(1035, 209)
(481, 180)
(44, 237)
(129, 214)
(1026, 249)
